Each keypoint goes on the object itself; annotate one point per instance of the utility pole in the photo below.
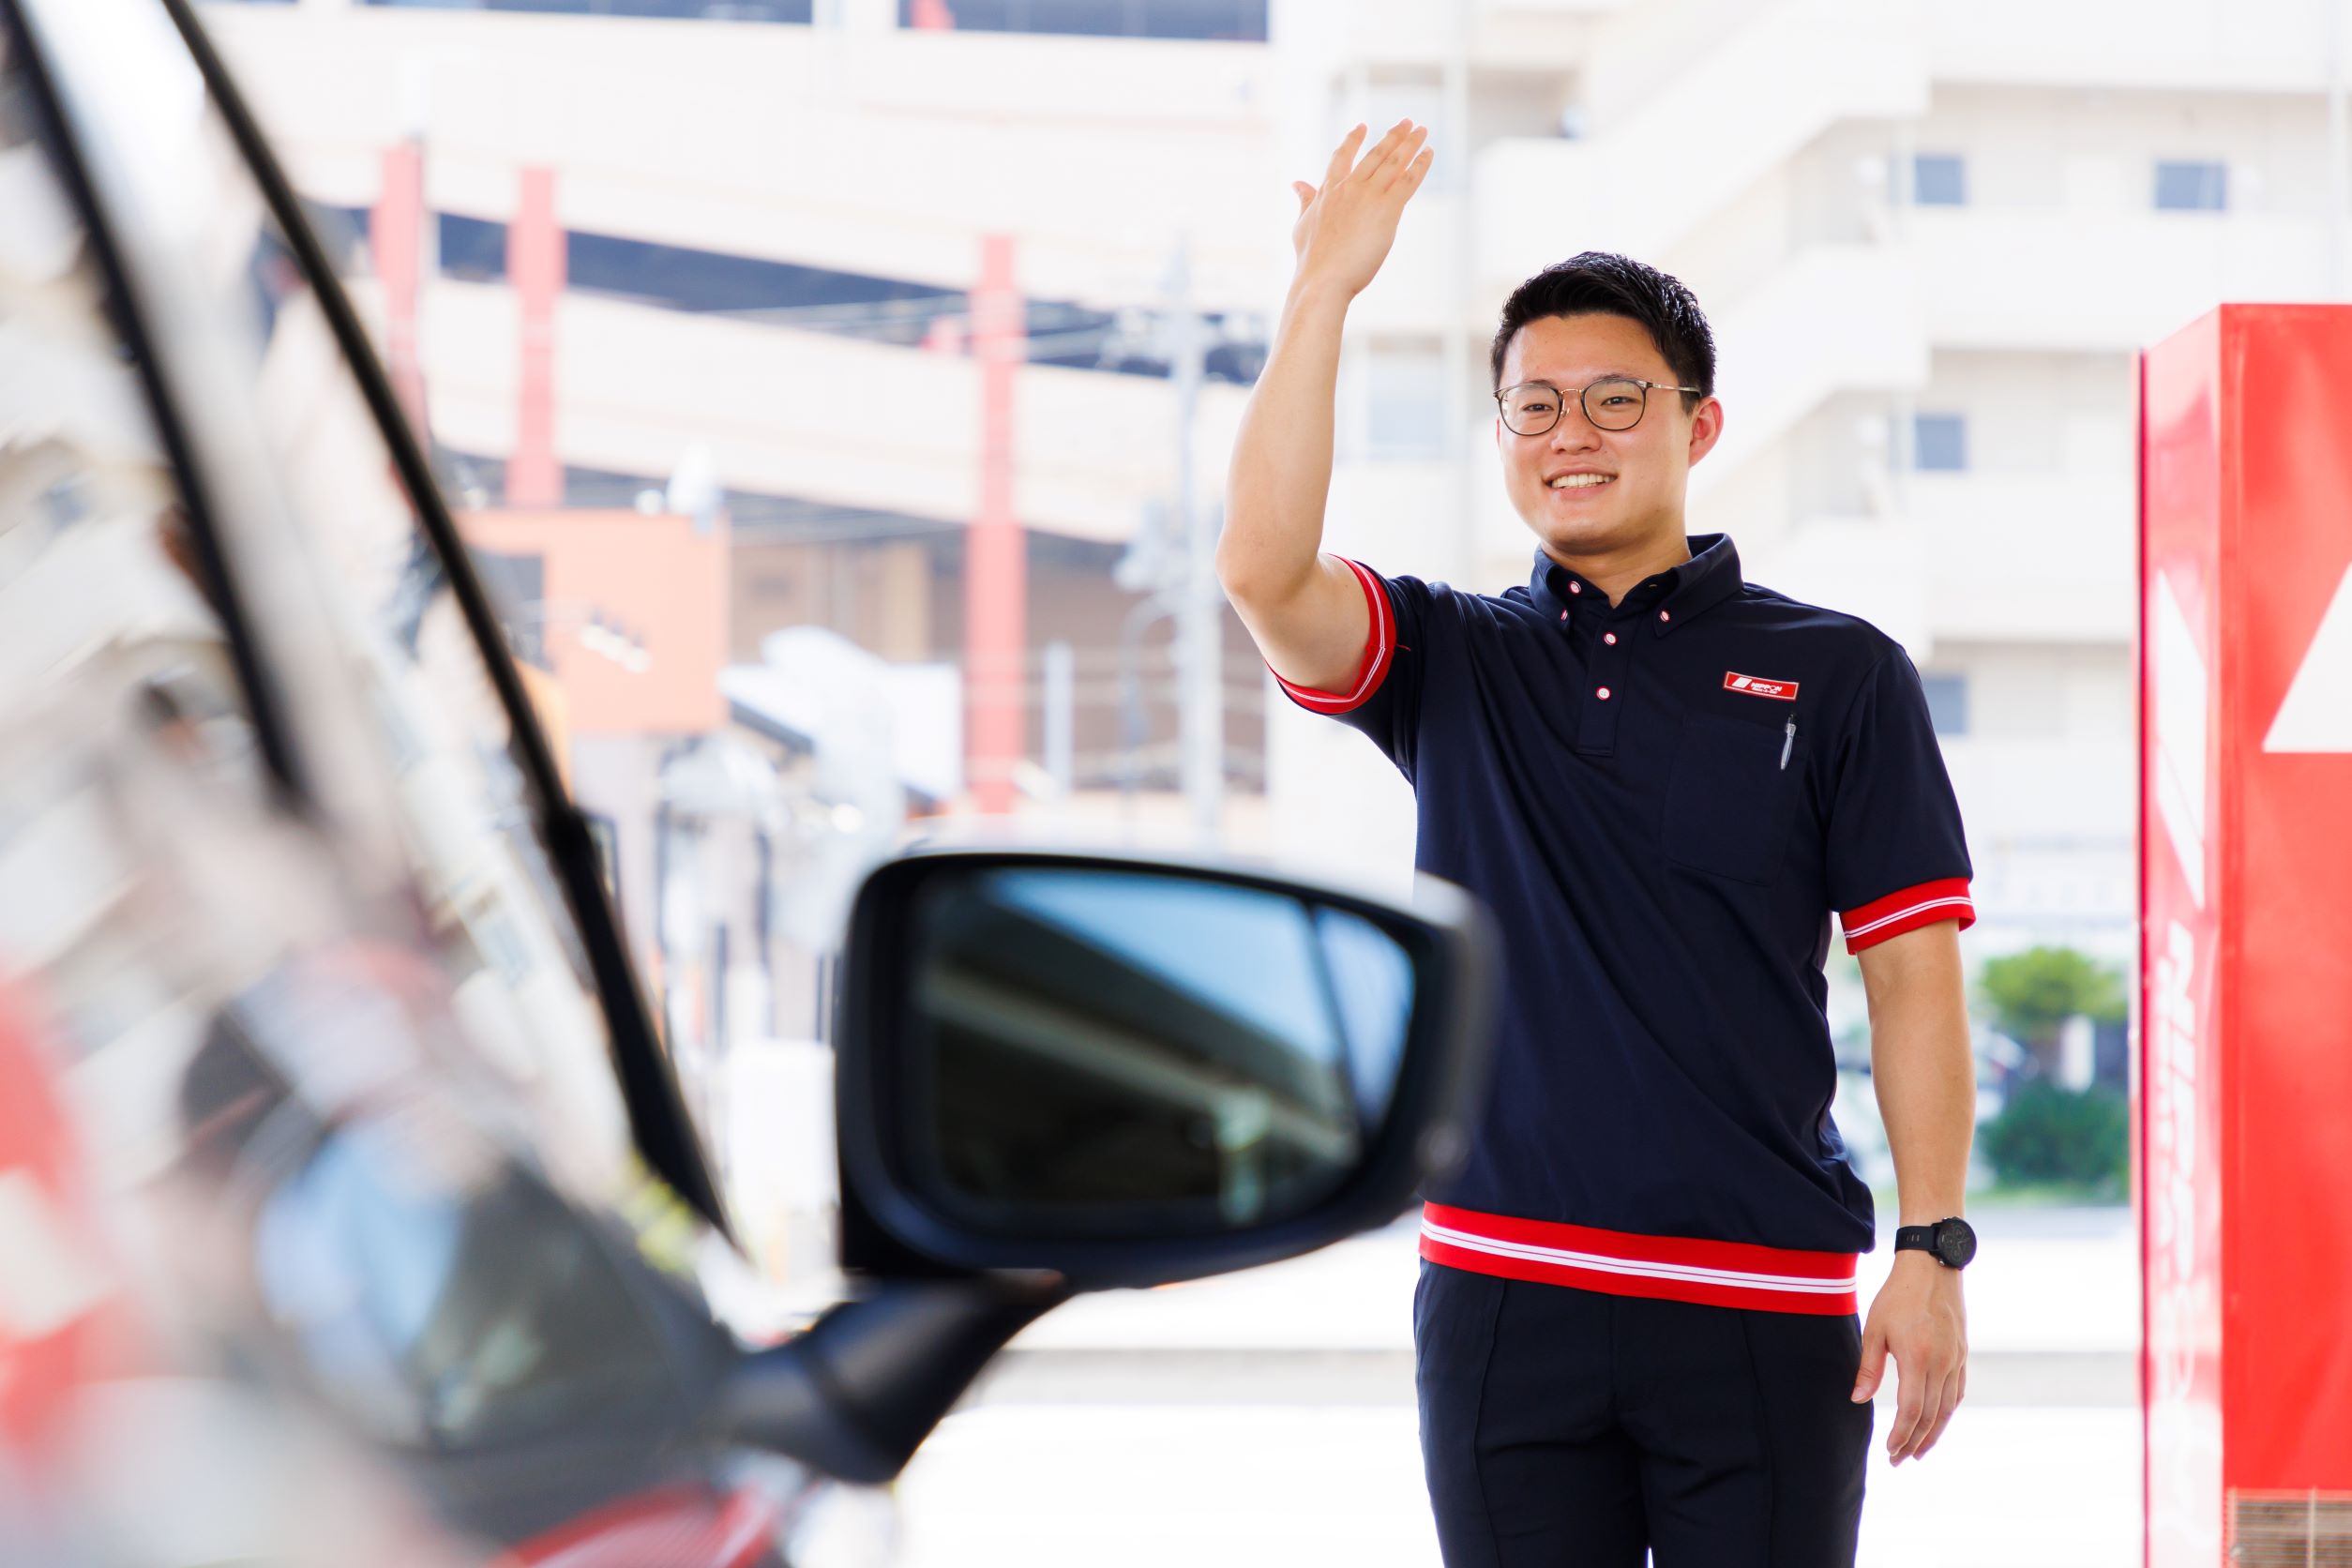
(536, 266)
(1060, 723)
(996, 570)
(399, 228)
(1199, 641)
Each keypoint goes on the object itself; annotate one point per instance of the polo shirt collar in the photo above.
(1711, 576)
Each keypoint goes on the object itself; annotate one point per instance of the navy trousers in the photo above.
(1570, 1429)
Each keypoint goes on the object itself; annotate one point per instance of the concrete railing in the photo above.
(1833, 318)
(2048, 278)
(828, 419)
(888, 154)
(2040, 787)
(1973, 558)
(2197, 45)
(2028, 558)
(1874, 567)
(1743, 102)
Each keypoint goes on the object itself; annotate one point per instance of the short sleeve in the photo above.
(1896, 855)
(1383, 700)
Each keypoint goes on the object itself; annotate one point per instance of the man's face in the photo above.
(1647, 467)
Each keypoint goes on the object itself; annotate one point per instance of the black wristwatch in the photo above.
(1950, 1241)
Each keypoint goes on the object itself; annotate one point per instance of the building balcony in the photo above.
(2045, 278)
(2198, 45)
(1833, 317)
(887, 154)
(1422, 288)
(2044, 788)
(1517, 34)
(1976, 558)
(1872, 567)
(812, 416)
(2027, 559)
(1778, 75)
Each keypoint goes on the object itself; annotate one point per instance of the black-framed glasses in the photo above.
(1613, 403)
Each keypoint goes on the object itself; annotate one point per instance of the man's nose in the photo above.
(1574, 433)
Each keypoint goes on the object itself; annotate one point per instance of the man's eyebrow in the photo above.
(1561, 384)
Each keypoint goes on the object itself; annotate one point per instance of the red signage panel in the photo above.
(2245, 1130)
(2180, 1192)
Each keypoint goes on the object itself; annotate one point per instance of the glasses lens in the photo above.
(1530, 410)
(1614, 405)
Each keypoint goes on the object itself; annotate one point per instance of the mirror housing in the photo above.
(901, 1220)
(946, 1285)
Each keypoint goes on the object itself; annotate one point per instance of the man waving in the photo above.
(1637, 1326)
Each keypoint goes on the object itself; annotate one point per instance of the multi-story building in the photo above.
(1930, 239)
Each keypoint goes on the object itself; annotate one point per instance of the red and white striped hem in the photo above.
(1621, 1263)
(1379, 645)
(1908, 911)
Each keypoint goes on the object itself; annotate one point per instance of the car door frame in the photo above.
(89, 95)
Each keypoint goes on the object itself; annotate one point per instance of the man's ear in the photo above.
(1706, 427)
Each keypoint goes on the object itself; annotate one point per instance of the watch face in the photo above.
(1955, 1242)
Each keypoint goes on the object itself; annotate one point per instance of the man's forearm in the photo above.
(1926, 1081)
(1921, 1066)
(1281, 472)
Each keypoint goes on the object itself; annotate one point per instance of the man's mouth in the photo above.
(1582, 481)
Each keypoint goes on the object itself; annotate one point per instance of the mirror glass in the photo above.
(1092, 1051)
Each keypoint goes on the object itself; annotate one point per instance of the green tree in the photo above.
(2047, 1137)
(2030, 994)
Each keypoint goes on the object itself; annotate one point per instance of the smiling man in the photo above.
(1637, 1327)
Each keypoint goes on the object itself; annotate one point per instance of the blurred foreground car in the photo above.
(349, 1210)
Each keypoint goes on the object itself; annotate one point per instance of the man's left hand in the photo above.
(1918, 1318)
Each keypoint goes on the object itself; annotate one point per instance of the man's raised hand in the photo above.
(1346, 225)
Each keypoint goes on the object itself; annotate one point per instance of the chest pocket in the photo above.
(1729, 803)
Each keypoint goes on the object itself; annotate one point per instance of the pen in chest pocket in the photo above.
(1787, 744)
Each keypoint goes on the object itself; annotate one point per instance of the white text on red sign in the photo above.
(1757, 686)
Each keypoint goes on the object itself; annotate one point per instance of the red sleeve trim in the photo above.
(1908, 911)
(1379, 646)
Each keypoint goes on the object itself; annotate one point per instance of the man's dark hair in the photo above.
(1601, 283)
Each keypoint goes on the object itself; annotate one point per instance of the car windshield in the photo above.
(463, 814)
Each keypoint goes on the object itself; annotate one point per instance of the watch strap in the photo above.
(1929, 1239)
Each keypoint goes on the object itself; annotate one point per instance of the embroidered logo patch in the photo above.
(1756, 686)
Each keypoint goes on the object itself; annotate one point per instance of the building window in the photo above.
(1947, 702)
(517, 584)
(2192, 186)
(1940, 180)
(1405, 398)
(1939, 443)
(1240, 20)
(681, 10)
(473, 249)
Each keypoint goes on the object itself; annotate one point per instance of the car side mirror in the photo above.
(1059, 1073)
(1128, 1072)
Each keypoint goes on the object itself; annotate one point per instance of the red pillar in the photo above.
(396, 232)
(996, 577)
(535, 269)
(2246, 936)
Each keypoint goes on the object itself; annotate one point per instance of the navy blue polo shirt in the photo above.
(1662, 801)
